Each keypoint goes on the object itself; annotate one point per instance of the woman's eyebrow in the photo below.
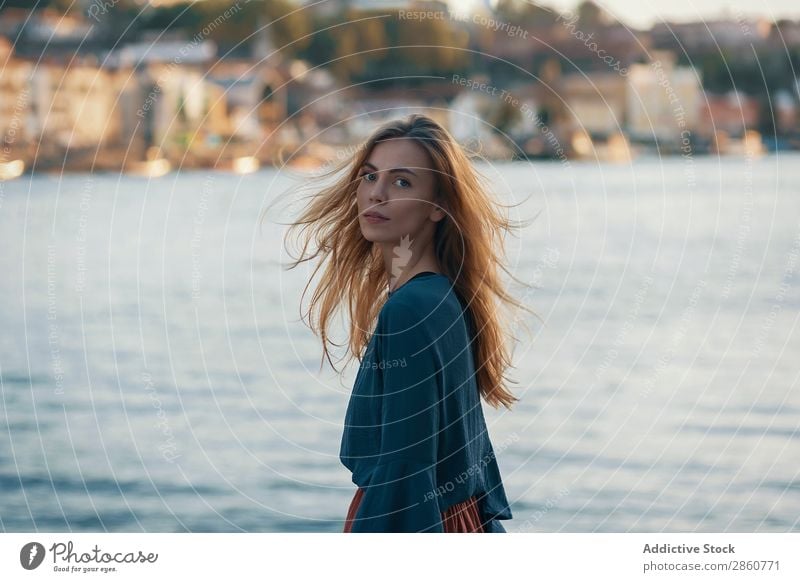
(393, 170)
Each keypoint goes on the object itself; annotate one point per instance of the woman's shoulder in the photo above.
(427, 301)
(418, 295)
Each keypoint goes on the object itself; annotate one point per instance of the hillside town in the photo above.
(229, 90)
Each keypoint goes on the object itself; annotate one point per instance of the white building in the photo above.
(662, 100)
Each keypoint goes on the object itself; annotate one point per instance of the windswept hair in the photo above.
(469, 246)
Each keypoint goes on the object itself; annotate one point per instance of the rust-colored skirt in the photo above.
(458, 518)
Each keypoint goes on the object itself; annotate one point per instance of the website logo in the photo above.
(31, 555)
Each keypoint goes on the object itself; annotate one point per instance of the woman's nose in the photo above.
(378, 191)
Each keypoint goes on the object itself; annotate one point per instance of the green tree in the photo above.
(524, 13)
(289, 28)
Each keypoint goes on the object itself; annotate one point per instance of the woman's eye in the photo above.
(366, 176)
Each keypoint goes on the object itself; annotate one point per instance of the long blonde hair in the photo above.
(468, 243)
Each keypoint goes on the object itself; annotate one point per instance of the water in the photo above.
(155, 375)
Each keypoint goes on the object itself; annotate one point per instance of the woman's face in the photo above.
(397, 182)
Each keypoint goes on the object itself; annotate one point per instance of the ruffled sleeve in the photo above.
(400, 495)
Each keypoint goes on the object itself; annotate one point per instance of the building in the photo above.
(16, 129)
(73, 106)
(663, 100)
(733, 114)
(596, 102)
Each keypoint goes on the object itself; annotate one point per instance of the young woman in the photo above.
(409, 214)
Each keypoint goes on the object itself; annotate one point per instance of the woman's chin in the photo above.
(375, 237)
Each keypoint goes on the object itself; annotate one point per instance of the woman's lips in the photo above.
(372, 218)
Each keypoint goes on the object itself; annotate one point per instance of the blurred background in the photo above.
(154, 371)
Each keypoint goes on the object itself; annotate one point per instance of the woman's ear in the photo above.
(439, 206)
(439, 212)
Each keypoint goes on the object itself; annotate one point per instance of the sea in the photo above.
(156, 374)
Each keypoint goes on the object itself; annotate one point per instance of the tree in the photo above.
(591, 16)
(289, 28)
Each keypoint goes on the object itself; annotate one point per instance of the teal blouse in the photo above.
(415, 437)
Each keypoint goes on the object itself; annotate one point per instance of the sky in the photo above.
(643, 13)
